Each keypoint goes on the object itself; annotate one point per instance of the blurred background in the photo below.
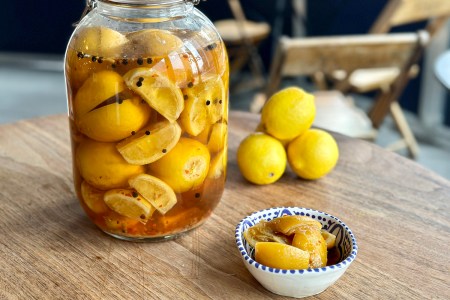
(34, 35)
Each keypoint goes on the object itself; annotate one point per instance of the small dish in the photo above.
(298, 283)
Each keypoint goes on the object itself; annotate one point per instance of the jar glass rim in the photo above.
(147, 2)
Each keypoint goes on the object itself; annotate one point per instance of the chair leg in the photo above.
(404, 129)
(257, 103)
(380, 109)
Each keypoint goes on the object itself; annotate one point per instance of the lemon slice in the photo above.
(155, 191)
(157, 90)
(263, 232)
(128, 203)
(329, 238)
(194, 116)
(292, 224)
(313, 242)
(204, 135)
(150, 143)
(212, 93)
(281, 256)
(154, 42)
(100, 41)
(218, 137)
(185, 167)
(120, 224)
(93, 198)
(218, 164)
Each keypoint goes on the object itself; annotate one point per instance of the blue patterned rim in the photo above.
(345, 240)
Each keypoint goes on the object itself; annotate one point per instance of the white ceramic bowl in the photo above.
(298, 283)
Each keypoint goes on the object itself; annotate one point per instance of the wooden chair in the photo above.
(242, 38)
(325, 55)
(395, 13)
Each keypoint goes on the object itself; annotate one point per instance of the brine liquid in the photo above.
(193, 64)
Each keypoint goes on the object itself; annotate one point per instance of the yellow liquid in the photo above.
(186, 68)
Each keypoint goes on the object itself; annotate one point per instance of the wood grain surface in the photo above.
(398, 211)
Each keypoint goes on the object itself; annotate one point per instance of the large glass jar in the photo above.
(147, 88)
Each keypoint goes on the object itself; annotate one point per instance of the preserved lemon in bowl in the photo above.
(147, 88)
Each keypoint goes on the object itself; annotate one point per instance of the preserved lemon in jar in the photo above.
(147, 89)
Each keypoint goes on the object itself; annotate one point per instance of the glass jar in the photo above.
(147, 89)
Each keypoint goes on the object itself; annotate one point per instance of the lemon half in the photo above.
(128, 203)
(150, 144)
(155, 191)
(157, 90)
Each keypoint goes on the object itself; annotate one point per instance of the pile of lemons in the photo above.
(285, 135)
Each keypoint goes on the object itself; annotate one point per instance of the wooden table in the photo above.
(398, 210)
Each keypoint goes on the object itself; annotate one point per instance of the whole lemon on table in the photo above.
(313, 154)
(261, 158)
(288, 113)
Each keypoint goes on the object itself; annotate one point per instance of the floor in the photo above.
(30, 93)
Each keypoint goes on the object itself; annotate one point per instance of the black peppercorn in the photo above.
(147, 132)
(94, 58)
(208, 102)
(197, 195)
(164, 150)
(125, 61)
(135, 194)
(140, 61)
(149, 60)
(100, 60)
(190, 84)
(211, 47)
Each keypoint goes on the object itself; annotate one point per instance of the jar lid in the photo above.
(155, 2)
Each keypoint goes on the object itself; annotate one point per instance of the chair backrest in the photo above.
(308, 56)
(402, 12)
(236, 10)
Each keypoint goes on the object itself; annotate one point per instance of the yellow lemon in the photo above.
(212, 94)
(120, 224)
(128, 203)
(93, 198)
(194, 118)
(185, 167)
(288, 113)
(115, 121)
(98, 88)
(311, 240)
(313, 154)
(261, 158)
(102, 166)
(155, 191)
(99, 41)
(288, 225)
(218, 165)
(154, 42)
(78, 70)
(329, 238)
(157, 90)
(151, 143)
(263, 232)
(281, 256)
(218, 137)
